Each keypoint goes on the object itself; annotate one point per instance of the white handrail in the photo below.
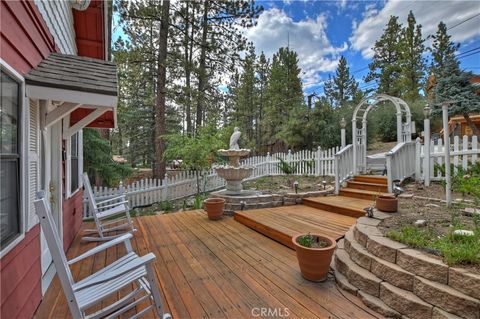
(400, 163)
(343, 166)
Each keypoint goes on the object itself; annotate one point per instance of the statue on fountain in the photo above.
(234, 139)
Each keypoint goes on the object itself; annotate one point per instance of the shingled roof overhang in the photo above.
(85, 90)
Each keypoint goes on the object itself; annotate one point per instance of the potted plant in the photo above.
(314, 254)
(214, 207)
(387, 204)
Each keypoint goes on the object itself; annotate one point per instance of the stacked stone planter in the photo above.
(237, 203)
(400, 282)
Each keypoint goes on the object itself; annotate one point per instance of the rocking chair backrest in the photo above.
(92, 205)
(55, 246)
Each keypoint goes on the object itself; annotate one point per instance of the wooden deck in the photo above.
(344, 205)
(282, 223)
(218, 269)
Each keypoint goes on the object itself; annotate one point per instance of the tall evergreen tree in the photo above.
(385, 68)
(342, 87)
(449, 81)
(263, 70)
(443, 53)
(246, 99)
(284, 100)
(412, 62)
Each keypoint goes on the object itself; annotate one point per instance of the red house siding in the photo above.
(24, 37)
(20, 275)
(24, 41)
(72, 217)
(90, 30)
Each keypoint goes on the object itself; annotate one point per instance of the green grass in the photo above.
(454, 249)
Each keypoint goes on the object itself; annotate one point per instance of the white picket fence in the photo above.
(463, 152)
(184, 183)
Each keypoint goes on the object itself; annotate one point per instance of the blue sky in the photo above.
(322, 31)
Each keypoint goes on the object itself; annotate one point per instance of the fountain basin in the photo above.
(231, 173)
(234, 153)
(234, 176)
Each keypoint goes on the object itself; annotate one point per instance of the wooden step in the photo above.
(374, 187)
(361, 194)
(376, 179)
(282, 223)
(339, 204)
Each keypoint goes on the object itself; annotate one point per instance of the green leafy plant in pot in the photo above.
(314, 254)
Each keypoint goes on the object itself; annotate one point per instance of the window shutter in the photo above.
(33, 161)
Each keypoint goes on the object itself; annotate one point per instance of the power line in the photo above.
(359, 70)
(465, 52)
(465, 56)
(462, 22)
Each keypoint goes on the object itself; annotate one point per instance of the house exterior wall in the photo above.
(29, 32)
(72, 217)
(59, 19)
(24, 42)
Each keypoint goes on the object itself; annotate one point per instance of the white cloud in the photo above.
(427, 13)
(307, 37)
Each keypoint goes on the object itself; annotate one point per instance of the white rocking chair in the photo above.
(92, 290)
(110, 215)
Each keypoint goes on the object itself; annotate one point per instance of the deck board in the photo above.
(219, 269)
(282, 223)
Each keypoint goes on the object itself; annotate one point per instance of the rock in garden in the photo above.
(470, 211)
(463, 232)
(420, 223)
(432, 205)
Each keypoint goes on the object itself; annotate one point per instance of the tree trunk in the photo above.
(160, 124)
(188, 66)
(472, 125)
(202, 72)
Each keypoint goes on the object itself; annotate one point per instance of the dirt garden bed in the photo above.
(436, 236)
(284, 184)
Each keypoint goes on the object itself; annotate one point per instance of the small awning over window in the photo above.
(84, 90)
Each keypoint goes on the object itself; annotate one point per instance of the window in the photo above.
(74, 163)
(9, 159)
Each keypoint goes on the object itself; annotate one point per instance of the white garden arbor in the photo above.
(359, 126)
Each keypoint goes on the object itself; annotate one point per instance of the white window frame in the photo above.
(23, 151)
(68, 166)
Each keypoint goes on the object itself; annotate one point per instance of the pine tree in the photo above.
(411, 61)
(385, 68)
(450, 82)
(262, 70)
(443, 53)
(342, 87)
(284, 110)
(246, 100)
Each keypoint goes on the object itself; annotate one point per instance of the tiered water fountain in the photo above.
(233, 172)
(236, 198)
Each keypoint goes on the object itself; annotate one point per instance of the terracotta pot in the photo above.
(314, 262)
(214, 207)
(387, 204)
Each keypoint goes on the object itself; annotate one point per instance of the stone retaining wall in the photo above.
(236, 203)
(398, 281)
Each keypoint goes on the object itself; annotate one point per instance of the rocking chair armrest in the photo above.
(119, 240)
(115, 273)
(110, 200)
(114, 204)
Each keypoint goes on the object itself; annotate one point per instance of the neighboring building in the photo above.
(51, 89)
(458, 125)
